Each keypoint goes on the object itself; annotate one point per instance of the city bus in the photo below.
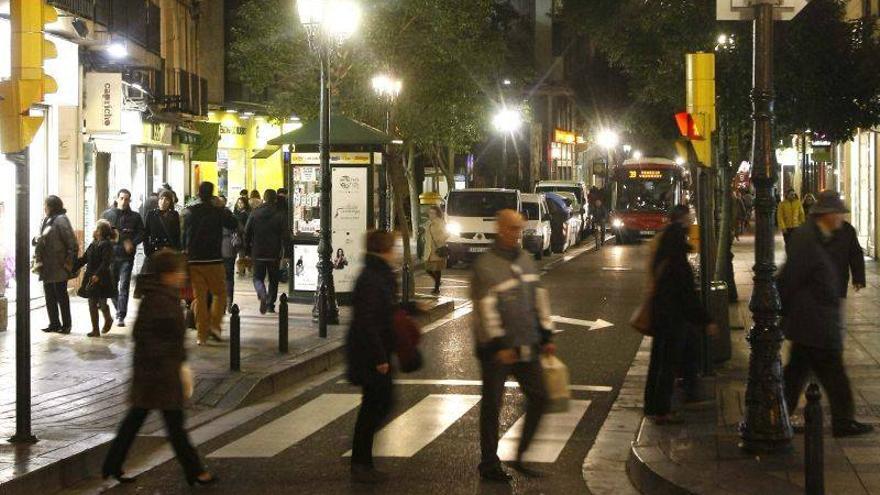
(642, 193)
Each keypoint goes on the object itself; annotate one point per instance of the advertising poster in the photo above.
(305, 267)
(349, 215)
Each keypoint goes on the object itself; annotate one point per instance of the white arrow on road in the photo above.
(591, 325)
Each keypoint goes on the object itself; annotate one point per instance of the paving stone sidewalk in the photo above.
(633, 455)
(80, 384)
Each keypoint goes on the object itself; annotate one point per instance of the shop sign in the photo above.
(157, 133)
(565, 137)
(335, 158)
(103, 102)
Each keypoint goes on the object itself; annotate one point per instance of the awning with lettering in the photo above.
(205, 147)
(187, 135)
(266, 152)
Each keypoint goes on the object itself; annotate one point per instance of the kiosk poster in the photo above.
(305, 267)
(349, 224)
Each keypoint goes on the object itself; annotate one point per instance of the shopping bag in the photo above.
(186, 380)
(641, 318)
(407, 336)
(556, 383)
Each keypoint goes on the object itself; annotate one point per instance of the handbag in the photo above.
(407, 336)
(442, 251)
(186, 380)
(86, 289)
(556, 381)
(641, 318)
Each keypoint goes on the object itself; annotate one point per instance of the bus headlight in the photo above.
(617, 223)
(453, 229)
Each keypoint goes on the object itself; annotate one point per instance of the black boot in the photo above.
(93, 314)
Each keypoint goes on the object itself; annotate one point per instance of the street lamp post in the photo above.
(506, 122)
(388, 89)
(608, 140)
(765, 427)
(327, 22)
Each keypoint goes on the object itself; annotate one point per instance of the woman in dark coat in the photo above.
(369, 344)
(55, 251)
(242, 212)
(159, 356)
(162, 225)
(98, 282)
(675, 308)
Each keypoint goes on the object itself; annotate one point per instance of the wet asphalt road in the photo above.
(604, 284)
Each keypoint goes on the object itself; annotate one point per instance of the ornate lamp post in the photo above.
(387, 88)
(506, 122)
(327, 23)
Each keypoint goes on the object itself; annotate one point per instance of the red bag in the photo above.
(407, 336)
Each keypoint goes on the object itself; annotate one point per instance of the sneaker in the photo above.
(367, 475)
(495, 474)
(851, 428)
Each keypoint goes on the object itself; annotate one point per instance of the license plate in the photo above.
(478, 249)
(647, 232)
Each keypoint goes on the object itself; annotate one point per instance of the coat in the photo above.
(56, 249)
(162, 231)
(98, 260)
(159, 351)
(676, 302)
(266, 233)
(435, 237)
(790, 214)
(810, 291)
(847, 255)
(129, 226)
(370, 338)
(203, 231)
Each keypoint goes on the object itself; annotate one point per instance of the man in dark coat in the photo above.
(812, 320)
(265, 237)
(369, 344)
(847, 255)
(129, 227)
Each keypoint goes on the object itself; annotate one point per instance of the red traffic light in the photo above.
(687, 127)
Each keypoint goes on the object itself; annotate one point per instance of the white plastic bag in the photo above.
(556, 383)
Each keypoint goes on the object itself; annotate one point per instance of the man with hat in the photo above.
(812, 317)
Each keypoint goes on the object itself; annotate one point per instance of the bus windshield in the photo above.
(479, 204)
(646, 190)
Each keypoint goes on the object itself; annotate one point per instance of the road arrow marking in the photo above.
(591, 325)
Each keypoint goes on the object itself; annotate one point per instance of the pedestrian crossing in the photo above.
(407, 434)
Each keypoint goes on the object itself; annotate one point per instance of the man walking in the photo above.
(512, 328)
(265, 237)
(847, 255)
(811, 302)
(203, 224)
(129, 227)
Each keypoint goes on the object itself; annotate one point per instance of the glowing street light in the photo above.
(387, 86)
(607, 139)
(506, 122)
(679, 161)
(637, 155)
(117, 50)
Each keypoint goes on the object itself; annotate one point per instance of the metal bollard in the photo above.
(282, 324)
(814, 457)
(235, 339)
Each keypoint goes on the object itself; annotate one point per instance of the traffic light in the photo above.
(701, 101)
(29, 84)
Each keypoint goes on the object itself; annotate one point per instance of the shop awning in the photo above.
(343, 131)
(266, 152)
(187, 135)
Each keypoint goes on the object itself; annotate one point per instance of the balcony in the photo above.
(137, 20)
(185, 93)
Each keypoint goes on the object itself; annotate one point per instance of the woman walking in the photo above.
(675, 307)
(98, 283)
(162, 225)
(369, 344)
(159, 357)
(255, 201)
(229, 248)
(54, 254)
(436, 252)
(242, 212)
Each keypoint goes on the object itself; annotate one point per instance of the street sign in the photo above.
(744, 10)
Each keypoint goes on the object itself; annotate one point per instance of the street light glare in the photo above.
(385, 85)
(117, 50)
(722, 39)
(607, 139)
(343, 18)
(679, 161)
(507, 120)
(311, 12)
(637, 155)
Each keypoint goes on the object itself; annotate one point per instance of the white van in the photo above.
(580, 206)
(537, 234)
(470, 219)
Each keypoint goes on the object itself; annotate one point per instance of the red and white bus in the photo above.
(642, 193)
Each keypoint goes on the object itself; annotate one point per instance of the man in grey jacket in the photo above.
(512, 328)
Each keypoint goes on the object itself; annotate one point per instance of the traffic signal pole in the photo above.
(23, 432)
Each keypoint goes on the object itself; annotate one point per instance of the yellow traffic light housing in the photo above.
(701, 101)
(29, 84)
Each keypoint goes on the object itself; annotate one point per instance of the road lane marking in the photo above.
(479, 383)
(421, 424)
(592, 325)
(553, 433)
(284, 432)
(457, 313)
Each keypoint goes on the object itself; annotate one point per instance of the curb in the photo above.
(63, 473)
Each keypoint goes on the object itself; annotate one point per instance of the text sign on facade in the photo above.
(103, 102)
(744, 10)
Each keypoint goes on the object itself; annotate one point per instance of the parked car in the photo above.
(580, 206)
(538, 232)
(470, 219)
(560, 223)
(575, 221)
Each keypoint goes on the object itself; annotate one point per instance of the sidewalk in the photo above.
(80, 384)
(703, 455)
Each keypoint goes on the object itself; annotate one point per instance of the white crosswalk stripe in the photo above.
(284, 432)
(552, 435)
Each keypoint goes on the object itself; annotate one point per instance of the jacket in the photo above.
(129, 226)
(203, 232)
(435, 237)
(512, 307)
(162, 231)
(790, 214)
(810, 291)
(56, 249)
(847, 254)
(676, 302)
(266, 233)
(159, 351)
(370, 338)
(98, 260)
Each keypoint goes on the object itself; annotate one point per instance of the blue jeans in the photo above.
(122, 271)
(261, 269)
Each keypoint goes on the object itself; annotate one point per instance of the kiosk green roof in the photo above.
(343, 131)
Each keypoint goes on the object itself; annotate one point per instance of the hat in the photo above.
(828, 202)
